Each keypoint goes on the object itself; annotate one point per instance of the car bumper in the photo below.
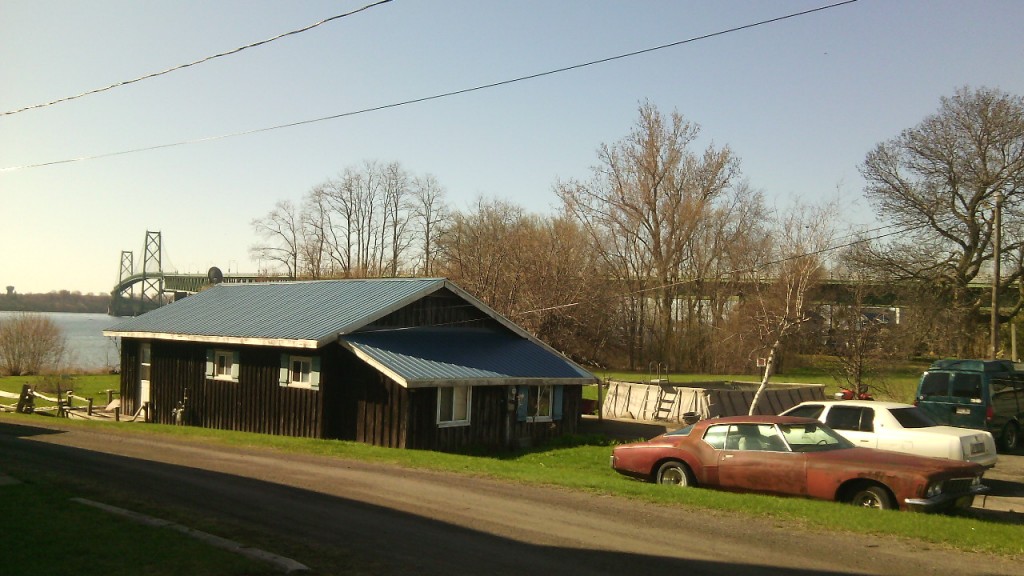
(946, 501)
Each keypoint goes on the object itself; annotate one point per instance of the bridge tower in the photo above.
(127, 269)
(152, 271)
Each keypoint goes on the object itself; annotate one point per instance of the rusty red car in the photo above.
(792, 456)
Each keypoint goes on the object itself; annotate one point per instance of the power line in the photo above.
(194, 63)
(435, 96)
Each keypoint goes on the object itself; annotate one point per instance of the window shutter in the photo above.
(285, 375)
(234, 364)
(523, 393)
(314, 373)
(209, 362)
(556, 403)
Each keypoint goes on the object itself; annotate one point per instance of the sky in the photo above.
(800, 101)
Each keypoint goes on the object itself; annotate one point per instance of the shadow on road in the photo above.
(368, 538)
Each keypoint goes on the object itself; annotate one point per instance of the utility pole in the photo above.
(997, 234)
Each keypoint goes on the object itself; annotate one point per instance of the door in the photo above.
(756, 459)
(855, 423)
(145, 360)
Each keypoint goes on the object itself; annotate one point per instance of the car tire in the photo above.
(872, 496)
(674, 473)
(1010, 438)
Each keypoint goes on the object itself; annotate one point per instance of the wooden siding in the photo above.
(355, 402)
(255, 403)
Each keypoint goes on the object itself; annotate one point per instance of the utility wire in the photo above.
(194, 63)
(436, 96)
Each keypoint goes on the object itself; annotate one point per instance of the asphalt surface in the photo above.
(347, 517)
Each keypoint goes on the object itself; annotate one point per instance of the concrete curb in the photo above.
(286, 564)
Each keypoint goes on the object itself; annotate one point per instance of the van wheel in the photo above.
(1011, 437)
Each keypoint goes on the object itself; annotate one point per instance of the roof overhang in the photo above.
(222, 340)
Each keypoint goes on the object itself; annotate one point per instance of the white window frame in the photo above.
(466, 401)
(311, 371)
(533, 403)
(228, 365)
(305, 371)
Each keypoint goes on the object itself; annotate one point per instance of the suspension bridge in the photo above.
(140, 291)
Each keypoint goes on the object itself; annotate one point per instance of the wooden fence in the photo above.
(62, 405)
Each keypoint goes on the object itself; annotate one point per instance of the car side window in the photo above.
(850, 418)
(715, 436)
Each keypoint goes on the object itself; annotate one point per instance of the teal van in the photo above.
(981, 394)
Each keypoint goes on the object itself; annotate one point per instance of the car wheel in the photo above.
(675, 474)
(1011, 437)
(872, 497)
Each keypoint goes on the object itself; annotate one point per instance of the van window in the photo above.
(935, 384)
(966, 386)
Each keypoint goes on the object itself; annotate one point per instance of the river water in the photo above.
(88, 349)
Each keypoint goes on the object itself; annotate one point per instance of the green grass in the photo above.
(582, 464)
(44, 532)
(85, 386)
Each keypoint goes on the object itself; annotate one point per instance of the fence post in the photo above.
(90, 407)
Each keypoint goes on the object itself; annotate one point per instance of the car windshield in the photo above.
(912, 417)
(812, 438)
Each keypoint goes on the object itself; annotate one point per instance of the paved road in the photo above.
(389, 520)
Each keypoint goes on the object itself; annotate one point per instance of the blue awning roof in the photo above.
(420, 357)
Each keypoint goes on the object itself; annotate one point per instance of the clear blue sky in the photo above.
(800, 102)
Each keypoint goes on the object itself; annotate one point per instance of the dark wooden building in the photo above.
(406, 363)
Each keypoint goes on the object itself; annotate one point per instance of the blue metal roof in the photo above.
(431, 355)
(307, 314)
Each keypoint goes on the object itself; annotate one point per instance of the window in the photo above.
(966, 386)
(851, 418)
(935, 384)
(222, 364)
(300, 372)
(912, 417)
(715, 436)
(301, 369)
(453, 405)
(539, 403)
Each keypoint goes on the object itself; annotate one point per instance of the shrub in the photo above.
(30, 344)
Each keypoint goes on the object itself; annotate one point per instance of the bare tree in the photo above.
(942, 180)
(429, 212)
(645, 202)
(781, 304)
(281, 232)
(31, 344)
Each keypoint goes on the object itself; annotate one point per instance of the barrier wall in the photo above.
(664, 401)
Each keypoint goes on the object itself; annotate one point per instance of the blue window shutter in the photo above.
(523, 393)
(314, 373)
(556, 403)
(234, 364)
(209, 362)
(285, 375)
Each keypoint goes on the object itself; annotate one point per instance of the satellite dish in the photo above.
(215, 275)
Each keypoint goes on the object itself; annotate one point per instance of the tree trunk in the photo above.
(769, 369)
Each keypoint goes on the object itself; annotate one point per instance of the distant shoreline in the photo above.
(63, 301)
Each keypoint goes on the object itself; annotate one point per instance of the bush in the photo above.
(30, 344)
